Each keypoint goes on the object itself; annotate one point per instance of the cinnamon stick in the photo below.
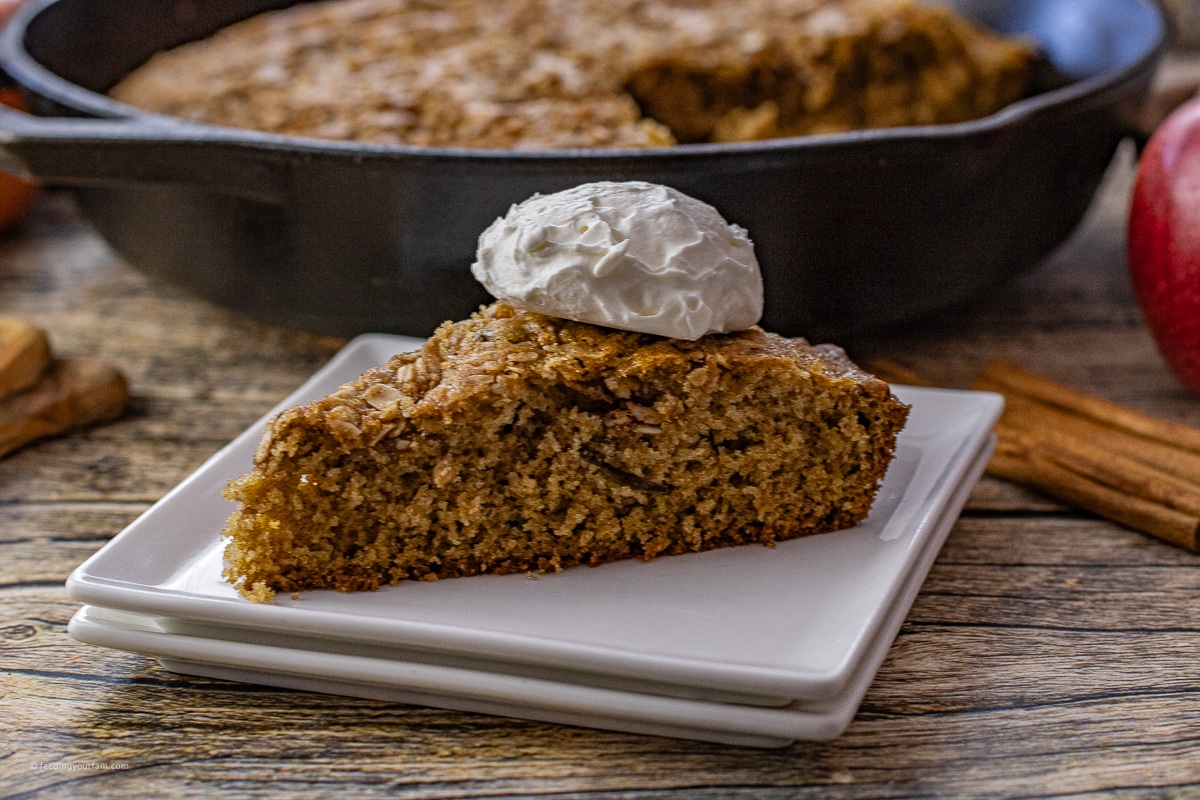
(1135, 469)
(24, 355)
(72, 394)
(1028, 414)
(1015, 380)
(1032, 468)
(1116, 471)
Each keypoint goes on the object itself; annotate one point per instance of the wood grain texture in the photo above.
(1049, 654)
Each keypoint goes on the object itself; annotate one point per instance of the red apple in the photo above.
(1164, 239)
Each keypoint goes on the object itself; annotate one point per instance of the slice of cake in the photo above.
(514, 441)
(617, 402)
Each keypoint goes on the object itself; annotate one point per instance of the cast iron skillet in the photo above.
(853, 231)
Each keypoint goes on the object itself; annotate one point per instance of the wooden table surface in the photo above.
(1050, 653)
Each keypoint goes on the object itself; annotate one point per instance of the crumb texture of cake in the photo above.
(514, 442)
(555, 74)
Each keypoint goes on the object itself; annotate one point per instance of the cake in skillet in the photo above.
(518, 441)
(552, 74)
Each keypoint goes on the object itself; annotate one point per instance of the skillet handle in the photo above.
(125, 152)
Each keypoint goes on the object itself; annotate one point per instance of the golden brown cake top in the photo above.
(471, 364)
(559, 73)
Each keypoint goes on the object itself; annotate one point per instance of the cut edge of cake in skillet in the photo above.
(518, 442)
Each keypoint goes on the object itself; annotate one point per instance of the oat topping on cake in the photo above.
(552, 74)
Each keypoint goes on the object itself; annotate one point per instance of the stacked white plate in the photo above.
(748, 645)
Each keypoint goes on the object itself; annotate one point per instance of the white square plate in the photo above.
(757, 624)
(341, 667)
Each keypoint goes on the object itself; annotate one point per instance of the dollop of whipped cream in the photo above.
(636, 256)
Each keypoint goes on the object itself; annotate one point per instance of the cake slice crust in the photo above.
(515, 442)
